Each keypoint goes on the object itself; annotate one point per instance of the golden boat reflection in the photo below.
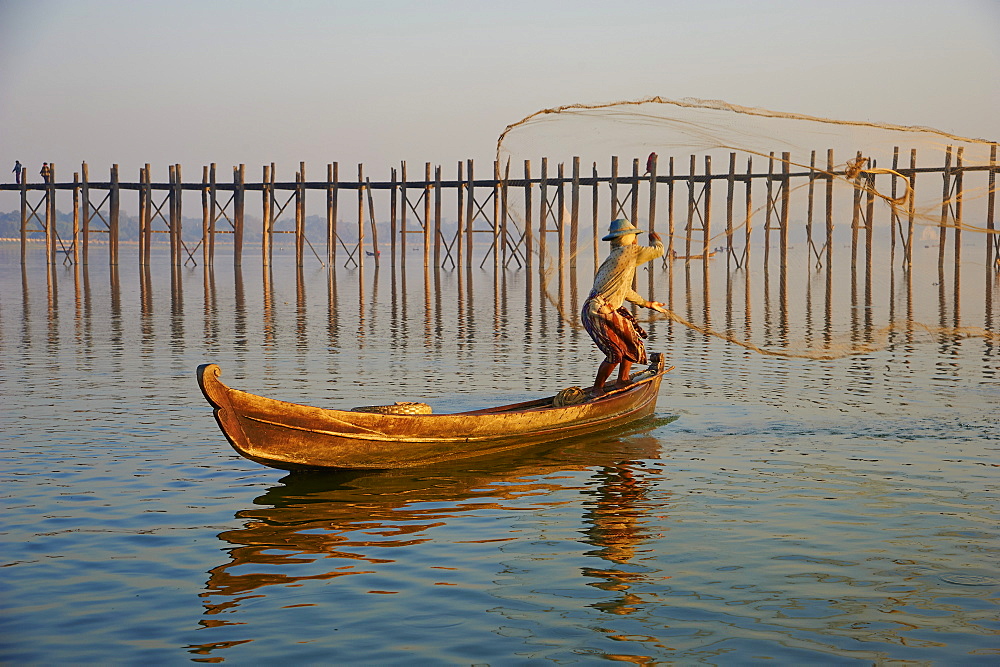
(311, 518)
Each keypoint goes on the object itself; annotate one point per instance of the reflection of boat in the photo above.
(326, 525)
(291, 436)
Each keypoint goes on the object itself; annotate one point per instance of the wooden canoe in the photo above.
(292, 436)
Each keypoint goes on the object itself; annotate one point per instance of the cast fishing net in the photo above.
(786, 234)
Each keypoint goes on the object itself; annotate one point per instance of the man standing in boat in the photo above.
(612, 326)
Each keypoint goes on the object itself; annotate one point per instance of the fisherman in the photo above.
(613, 328)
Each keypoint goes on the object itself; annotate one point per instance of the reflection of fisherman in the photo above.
(18, 168)
(45, 172)
(613, 327)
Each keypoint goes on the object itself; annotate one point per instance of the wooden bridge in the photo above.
(523, 216)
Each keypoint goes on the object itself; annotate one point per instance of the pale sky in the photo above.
(377, 82)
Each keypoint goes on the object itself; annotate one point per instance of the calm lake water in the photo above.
(775, 509)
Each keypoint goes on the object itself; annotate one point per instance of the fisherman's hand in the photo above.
(657, 306)
(653, 236)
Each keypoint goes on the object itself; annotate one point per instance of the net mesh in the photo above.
(876, 217)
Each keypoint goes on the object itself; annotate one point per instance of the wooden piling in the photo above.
(213, 211)
(460, 215)
(561, 221)
(50, 216)
(869, 224)
(405, 204)
(113, 215)
(176, 228)
(207, 238)
(945, 203)
(374, 227)
(671, 223)
(730, 192)
(785, 194)
(239, 201)
(574, 214)
(707, 222)
(265, 217)
(652, 212)
(438, 236)
(504, 231)
(691, 208)
(146, 216)
(85, 220)
(332, 177)
(957, 236)
(528, 231)
(615, 207)
(768, 209)
(427, 214)
(855, 218)
(300, 213)
(470, 211)
(992, 239)
(76, 217)
(910, 208)
(393, 212)
(496, 217)
(748, 223)
(543, 213)
(894, 214)
(634, 193)
(144, 193)
(595, 220)
(652, 194)
(810, 245)
(24, 215)
(172, 221)
(829, 210)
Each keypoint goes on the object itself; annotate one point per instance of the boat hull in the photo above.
(292, 436)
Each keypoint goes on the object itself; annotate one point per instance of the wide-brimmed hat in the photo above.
(621, 227)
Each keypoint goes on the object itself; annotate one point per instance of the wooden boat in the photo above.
(291, 436)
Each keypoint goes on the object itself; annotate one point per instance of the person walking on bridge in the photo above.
(18, 168)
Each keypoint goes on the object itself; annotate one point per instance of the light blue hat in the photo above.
(621, 227)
